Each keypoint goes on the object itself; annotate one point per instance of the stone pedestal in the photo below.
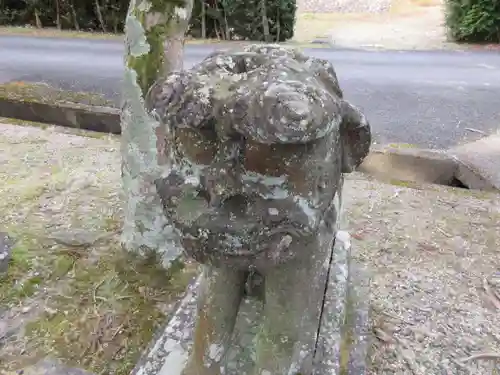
(342, 344)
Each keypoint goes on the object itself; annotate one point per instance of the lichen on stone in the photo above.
(257, 141)
(146, 227)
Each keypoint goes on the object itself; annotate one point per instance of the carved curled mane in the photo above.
(269, 94)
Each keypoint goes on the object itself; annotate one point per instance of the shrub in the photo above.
(221, 19)
(473, 20)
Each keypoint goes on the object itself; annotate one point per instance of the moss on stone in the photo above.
(43, 93)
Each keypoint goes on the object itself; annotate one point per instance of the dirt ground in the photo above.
(409, 24)
(434, 254)
(70, 292)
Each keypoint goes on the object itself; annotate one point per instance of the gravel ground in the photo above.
(379, 24)
(344, 6)
(70, 292)
(423, 28)
(433, 254)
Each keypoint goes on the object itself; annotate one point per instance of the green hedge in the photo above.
(473, 21)
(258, 20)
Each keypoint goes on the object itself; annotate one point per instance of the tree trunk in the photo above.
(75, 17)
(203, 20)
(154, 43)
(278, 26)
(58, 15)
(265, 21)
(222, 28)
(99, 16)
(38, 21)
(227, 32)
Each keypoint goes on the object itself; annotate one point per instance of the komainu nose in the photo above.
(236, 204)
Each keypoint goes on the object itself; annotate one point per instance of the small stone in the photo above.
(273, 211)
(49, 366)
(50, 311)
(26, 309)
(5, 252)
(75, 237)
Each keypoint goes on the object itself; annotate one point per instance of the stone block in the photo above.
(479, 163)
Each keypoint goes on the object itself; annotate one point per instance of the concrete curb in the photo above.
(478, 163)
(70, 115)
(410, 164)
(452, 167)
(466, 165)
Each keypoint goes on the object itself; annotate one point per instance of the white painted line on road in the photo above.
(458, 85)
(487, 66)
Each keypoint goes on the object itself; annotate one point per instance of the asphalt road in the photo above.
(430, 99)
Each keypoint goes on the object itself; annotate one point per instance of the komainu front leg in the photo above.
(293, 301)
(221, 290)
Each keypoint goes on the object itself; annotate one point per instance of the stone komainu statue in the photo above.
(256, 143)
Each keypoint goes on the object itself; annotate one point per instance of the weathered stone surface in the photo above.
(410, 164)
(344, 335)
(78, 116)
(358, 318)
(328, 359)
(170, 350)
(169, 353)
(478, 163)
(255, 146)
(5, 252)
(272, 108)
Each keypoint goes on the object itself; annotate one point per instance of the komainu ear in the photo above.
(182, 98)
(355, 135)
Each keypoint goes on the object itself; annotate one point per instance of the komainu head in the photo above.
(257, 141)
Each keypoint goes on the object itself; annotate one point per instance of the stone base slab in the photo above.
(344, 327)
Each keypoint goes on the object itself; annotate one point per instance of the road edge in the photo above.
(386, 163)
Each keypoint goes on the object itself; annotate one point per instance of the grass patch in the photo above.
(402, 145)
(55, 33)
(23, 277)
(109, 312)
(405, 184)
(477, 194)
(15, 121)
(70, 291)
(99, 315)
(300, 39)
